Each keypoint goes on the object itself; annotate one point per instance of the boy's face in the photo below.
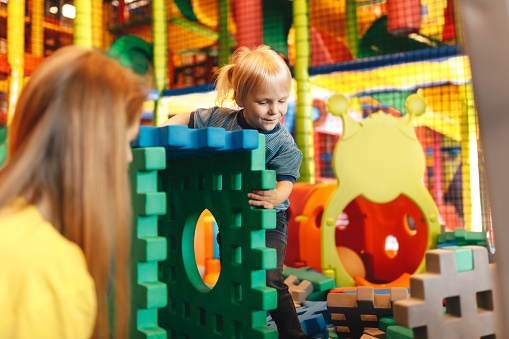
(265, 107)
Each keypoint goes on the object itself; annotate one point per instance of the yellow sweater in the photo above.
(45, 288)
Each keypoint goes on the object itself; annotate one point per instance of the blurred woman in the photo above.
(64, 198)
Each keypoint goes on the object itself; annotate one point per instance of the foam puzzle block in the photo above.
(148, 293)
(374, 333)
(461, 237)
(196, 170)
(367, 336)
(183, 142)
(319, 281)
(384, 291)
(299, 290)
(212, 169)
(469, 297)
(384, 323)
(318, 296)
(314, 318)
(399, 332)
(447, 244)
(352, 313)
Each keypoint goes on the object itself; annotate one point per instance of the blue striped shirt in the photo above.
(281, 152)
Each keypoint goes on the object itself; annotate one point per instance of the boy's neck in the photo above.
(241, 120)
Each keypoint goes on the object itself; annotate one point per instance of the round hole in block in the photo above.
(206, 250)
(318, 218)
(410, 224)
(391, 246)
(351, 261)
(342, 222)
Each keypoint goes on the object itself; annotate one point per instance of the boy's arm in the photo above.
(179, 119)
(271, 198)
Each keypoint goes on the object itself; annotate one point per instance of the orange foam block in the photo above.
(402, 281)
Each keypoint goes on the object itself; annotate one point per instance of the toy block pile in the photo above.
(353, 313)
(461, 237)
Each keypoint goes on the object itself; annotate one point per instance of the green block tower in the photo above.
(170, 300)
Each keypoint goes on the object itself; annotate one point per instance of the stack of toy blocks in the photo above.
(213, 169)
(463, 277)
(461, 237)
(354, 313)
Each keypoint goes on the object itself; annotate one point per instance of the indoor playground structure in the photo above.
(379, 163)
(390, 221)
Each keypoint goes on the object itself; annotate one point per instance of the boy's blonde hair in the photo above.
(247, 71)
(67, 144)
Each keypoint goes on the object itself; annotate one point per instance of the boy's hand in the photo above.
(263, 198)
(271, 198)
(179, 119)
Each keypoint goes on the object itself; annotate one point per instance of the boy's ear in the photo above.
(237, 100)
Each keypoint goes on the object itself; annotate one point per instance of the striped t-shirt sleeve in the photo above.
(216, 117)
(283, 155)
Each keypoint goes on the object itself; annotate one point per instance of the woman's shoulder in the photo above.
(45, 286)
(29, 240)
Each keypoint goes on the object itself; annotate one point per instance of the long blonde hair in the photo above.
(67, 144)
(247, 71)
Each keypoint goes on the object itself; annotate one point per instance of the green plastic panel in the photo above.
(236, 307)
